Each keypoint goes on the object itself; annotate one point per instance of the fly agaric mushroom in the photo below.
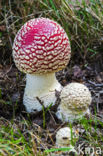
(41, 48)
(64, 138)
(75, 99)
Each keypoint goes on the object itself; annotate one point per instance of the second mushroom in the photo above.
(75, 101)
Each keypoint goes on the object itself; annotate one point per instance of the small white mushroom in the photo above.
(63, 139)
(75, 101)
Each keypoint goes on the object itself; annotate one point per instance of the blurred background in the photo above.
(81, 19)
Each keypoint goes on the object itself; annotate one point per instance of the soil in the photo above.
(12, 84)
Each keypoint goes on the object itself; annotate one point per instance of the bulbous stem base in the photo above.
(70, 115)
(40, 91)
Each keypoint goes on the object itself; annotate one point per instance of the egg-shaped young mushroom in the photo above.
(64, 138)
(75, 101)
(41, 48)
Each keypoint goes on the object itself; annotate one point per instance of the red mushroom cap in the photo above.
(41, 46)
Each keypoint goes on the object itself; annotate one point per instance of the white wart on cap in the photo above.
(75, 100)
(41, 48)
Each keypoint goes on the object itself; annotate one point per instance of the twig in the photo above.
(40, 101)
(96, 85)
(7, 27)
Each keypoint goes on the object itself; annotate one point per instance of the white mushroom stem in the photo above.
(42, 86)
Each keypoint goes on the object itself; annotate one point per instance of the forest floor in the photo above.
(14, 116)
